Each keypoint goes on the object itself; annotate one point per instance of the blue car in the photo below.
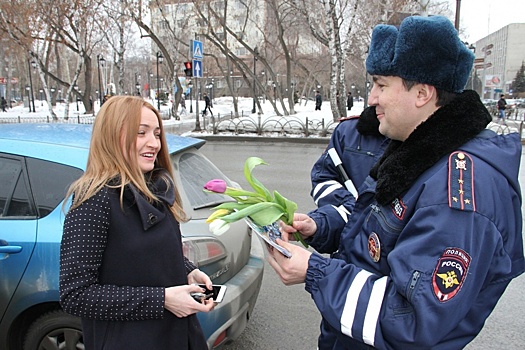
(38, 162)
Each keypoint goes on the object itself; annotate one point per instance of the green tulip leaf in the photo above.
(251, 210)
(232, 206)
(249, 165)
(236, 192)
(289, 206)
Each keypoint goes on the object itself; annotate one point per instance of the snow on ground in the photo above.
(221, 107)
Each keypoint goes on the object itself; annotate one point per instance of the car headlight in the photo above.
(203, 251)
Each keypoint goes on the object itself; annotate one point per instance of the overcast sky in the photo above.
(481, 17)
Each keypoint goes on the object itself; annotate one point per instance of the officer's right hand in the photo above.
(302, 223)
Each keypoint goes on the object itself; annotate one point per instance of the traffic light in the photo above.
(188, 69)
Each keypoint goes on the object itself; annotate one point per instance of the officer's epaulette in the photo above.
(348, 118)
(461, 182)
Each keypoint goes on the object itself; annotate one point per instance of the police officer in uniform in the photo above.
(355, 146)
(436, 233)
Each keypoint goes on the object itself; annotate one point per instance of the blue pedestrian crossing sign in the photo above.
(197, 68)
(196, 49)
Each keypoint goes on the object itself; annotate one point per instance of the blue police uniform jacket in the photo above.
(359, 145)
(434, 239)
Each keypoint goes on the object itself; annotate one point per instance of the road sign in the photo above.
(196, 49)
(481, 66)
(197, 68)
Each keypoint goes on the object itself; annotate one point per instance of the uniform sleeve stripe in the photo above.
(373, 309)
(327, 191)
(342, 211)
(348, 315)
(323, 184)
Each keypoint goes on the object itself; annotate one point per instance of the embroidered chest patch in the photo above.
(461, 182)
(399, 208)
(450, 273)
(374, 247)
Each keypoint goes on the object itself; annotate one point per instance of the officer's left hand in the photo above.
(290, 270)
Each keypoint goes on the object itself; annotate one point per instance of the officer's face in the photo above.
(395, 107)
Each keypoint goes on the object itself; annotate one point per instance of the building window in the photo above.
(241, 51)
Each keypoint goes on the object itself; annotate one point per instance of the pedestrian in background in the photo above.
(318, 101)
(122, 268)
(4, 104)
(436, 233)
(207, 106)
(349, 101)
(502, 106)
(183, 103)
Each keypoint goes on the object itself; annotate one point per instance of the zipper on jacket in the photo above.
(413, 284)
(378, 211)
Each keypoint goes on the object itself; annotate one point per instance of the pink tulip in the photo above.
(216, 185)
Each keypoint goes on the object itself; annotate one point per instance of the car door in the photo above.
(18, 226)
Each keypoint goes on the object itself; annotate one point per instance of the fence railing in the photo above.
(246, 124)
(264, 126)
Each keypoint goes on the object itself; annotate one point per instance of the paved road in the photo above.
(286, 317)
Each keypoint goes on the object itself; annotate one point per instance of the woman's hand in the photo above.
(178, 300)
(198, 277)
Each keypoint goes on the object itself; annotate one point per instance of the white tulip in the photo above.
(218, 227)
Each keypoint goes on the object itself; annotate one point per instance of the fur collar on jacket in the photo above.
(368, 123)
(448, 128)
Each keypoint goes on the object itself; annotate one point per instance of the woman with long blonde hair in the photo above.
(122, 269)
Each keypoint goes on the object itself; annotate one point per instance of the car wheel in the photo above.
(55, 330)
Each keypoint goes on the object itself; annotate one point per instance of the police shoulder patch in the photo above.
(450, 273)
(461, 182)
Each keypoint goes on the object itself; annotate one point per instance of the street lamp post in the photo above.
(76, 97)
(53, 95)
(212, 85)
(100, 61)
(190, 86)
(150, 75)
(28, 98)
(367, 86)
(137, 83)
(255, 54)
(458, 7)
(32, 96)
(41, 97)
(263, 73)
(472, 49)
(159, 61)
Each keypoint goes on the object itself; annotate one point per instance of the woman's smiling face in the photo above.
(148, 140)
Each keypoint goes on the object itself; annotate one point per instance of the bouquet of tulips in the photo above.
(260, 206)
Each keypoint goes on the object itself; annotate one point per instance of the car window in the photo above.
(195, 171)
(49, 183)
(14, 194)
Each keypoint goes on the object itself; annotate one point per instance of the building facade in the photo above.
(498, 58)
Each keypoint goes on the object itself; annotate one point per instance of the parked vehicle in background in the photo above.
(38, 162)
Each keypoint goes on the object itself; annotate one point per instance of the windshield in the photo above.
(195, 171)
